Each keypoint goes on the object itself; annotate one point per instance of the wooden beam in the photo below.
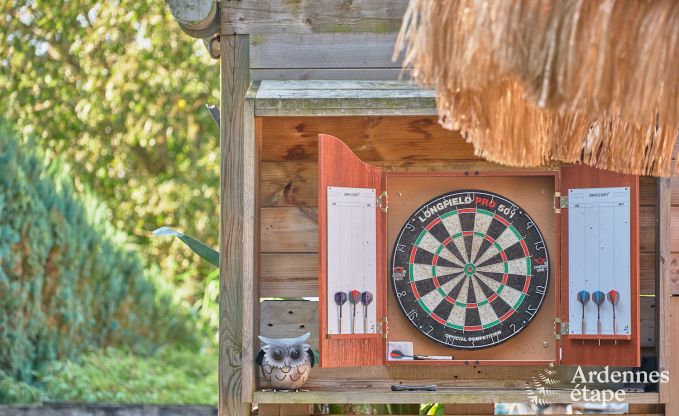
(323, 51)
(307, 16)
(449, 395)
(197, 18)
(343, 98)
(669, 392)
(234, 83)
(250, 245)
(663, 291)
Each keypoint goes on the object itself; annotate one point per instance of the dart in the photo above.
(354, 298)
(614, 298)
(398, 355)
(583, 298)
(366, 299)
(340, 299)
(599, 298)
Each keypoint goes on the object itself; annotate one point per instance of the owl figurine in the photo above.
(286, 362)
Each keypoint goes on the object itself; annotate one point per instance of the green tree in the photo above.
(117, 90)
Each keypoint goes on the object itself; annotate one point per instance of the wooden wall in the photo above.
(288, 232)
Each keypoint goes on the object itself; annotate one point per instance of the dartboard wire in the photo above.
(453, 225)
(481, 231)
(440, 247)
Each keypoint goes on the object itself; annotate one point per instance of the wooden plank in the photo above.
(647, 316)
(664, 211)
(674, 273)
(284, 410)
(285, 275)
(674, 229)
(281, 74)
(323, 51)
(305, 16)
(647, 190)
(669, 392)
(250, 245)
(370, 138)
(289, 230)
(296, 274)
(289, 318)
(342, 98)
(294, 230)
(459, 395)
(234, 84)
(295, 182)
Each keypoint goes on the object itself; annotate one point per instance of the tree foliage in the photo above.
(67, 284)
(117, 90)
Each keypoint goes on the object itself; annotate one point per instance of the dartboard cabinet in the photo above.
(475, 268)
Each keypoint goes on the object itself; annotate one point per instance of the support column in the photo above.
(235, 67)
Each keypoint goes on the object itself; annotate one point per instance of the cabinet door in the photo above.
(351, 258)
(600, 260)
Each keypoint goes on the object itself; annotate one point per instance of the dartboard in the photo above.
(470, 269)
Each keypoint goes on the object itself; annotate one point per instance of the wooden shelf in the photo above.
(463, 395)
(600, 337)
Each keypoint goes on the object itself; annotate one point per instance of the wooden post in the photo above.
(663, 290)
(235, 67)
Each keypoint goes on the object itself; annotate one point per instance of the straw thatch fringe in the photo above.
(538, 80)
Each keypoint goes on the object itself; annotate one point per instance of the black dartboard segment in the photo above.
(470, 269)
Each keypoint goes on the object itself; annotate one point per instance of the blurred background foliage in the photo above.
(118, 91)
(68, 285)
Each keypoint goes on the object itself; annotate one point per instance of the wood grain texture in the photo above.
(307, 16)
(296, 274)
(369, 138)
(292, 229)
(282, 74)
(607, 353)
(294, 182)
(458, 395)
(343, 98)
(234, 84)
(670, 392)
(664, 291)
(250, 245)
(338, 166)
(288, 275)
(289, 318)
(289, 230)
(323, 51)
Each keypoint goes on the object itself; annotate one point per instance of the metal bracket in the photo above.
(564, 202)
(383, 201)
(560, 328)
(382, 327)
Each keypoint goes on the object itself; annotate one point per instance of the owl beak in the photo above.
(286, 369)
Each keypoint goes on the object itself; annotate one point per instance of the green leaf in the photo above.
(198, 247)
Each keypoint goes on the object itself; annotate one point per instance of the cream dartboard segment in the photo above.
(470, 269)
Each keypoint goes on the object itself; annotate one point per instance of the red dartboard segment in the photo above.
(455, 270)
(432, 224)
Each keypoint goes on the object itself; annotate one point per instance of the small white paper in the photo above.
(405, 347)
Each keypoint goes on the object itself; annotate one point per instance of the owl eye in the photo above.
(277, 354)
(294, 353)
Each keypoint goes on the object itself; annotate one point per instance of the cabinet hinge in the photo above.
(560, 328)
(560, 202)
(383, 327)
(383, 201)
